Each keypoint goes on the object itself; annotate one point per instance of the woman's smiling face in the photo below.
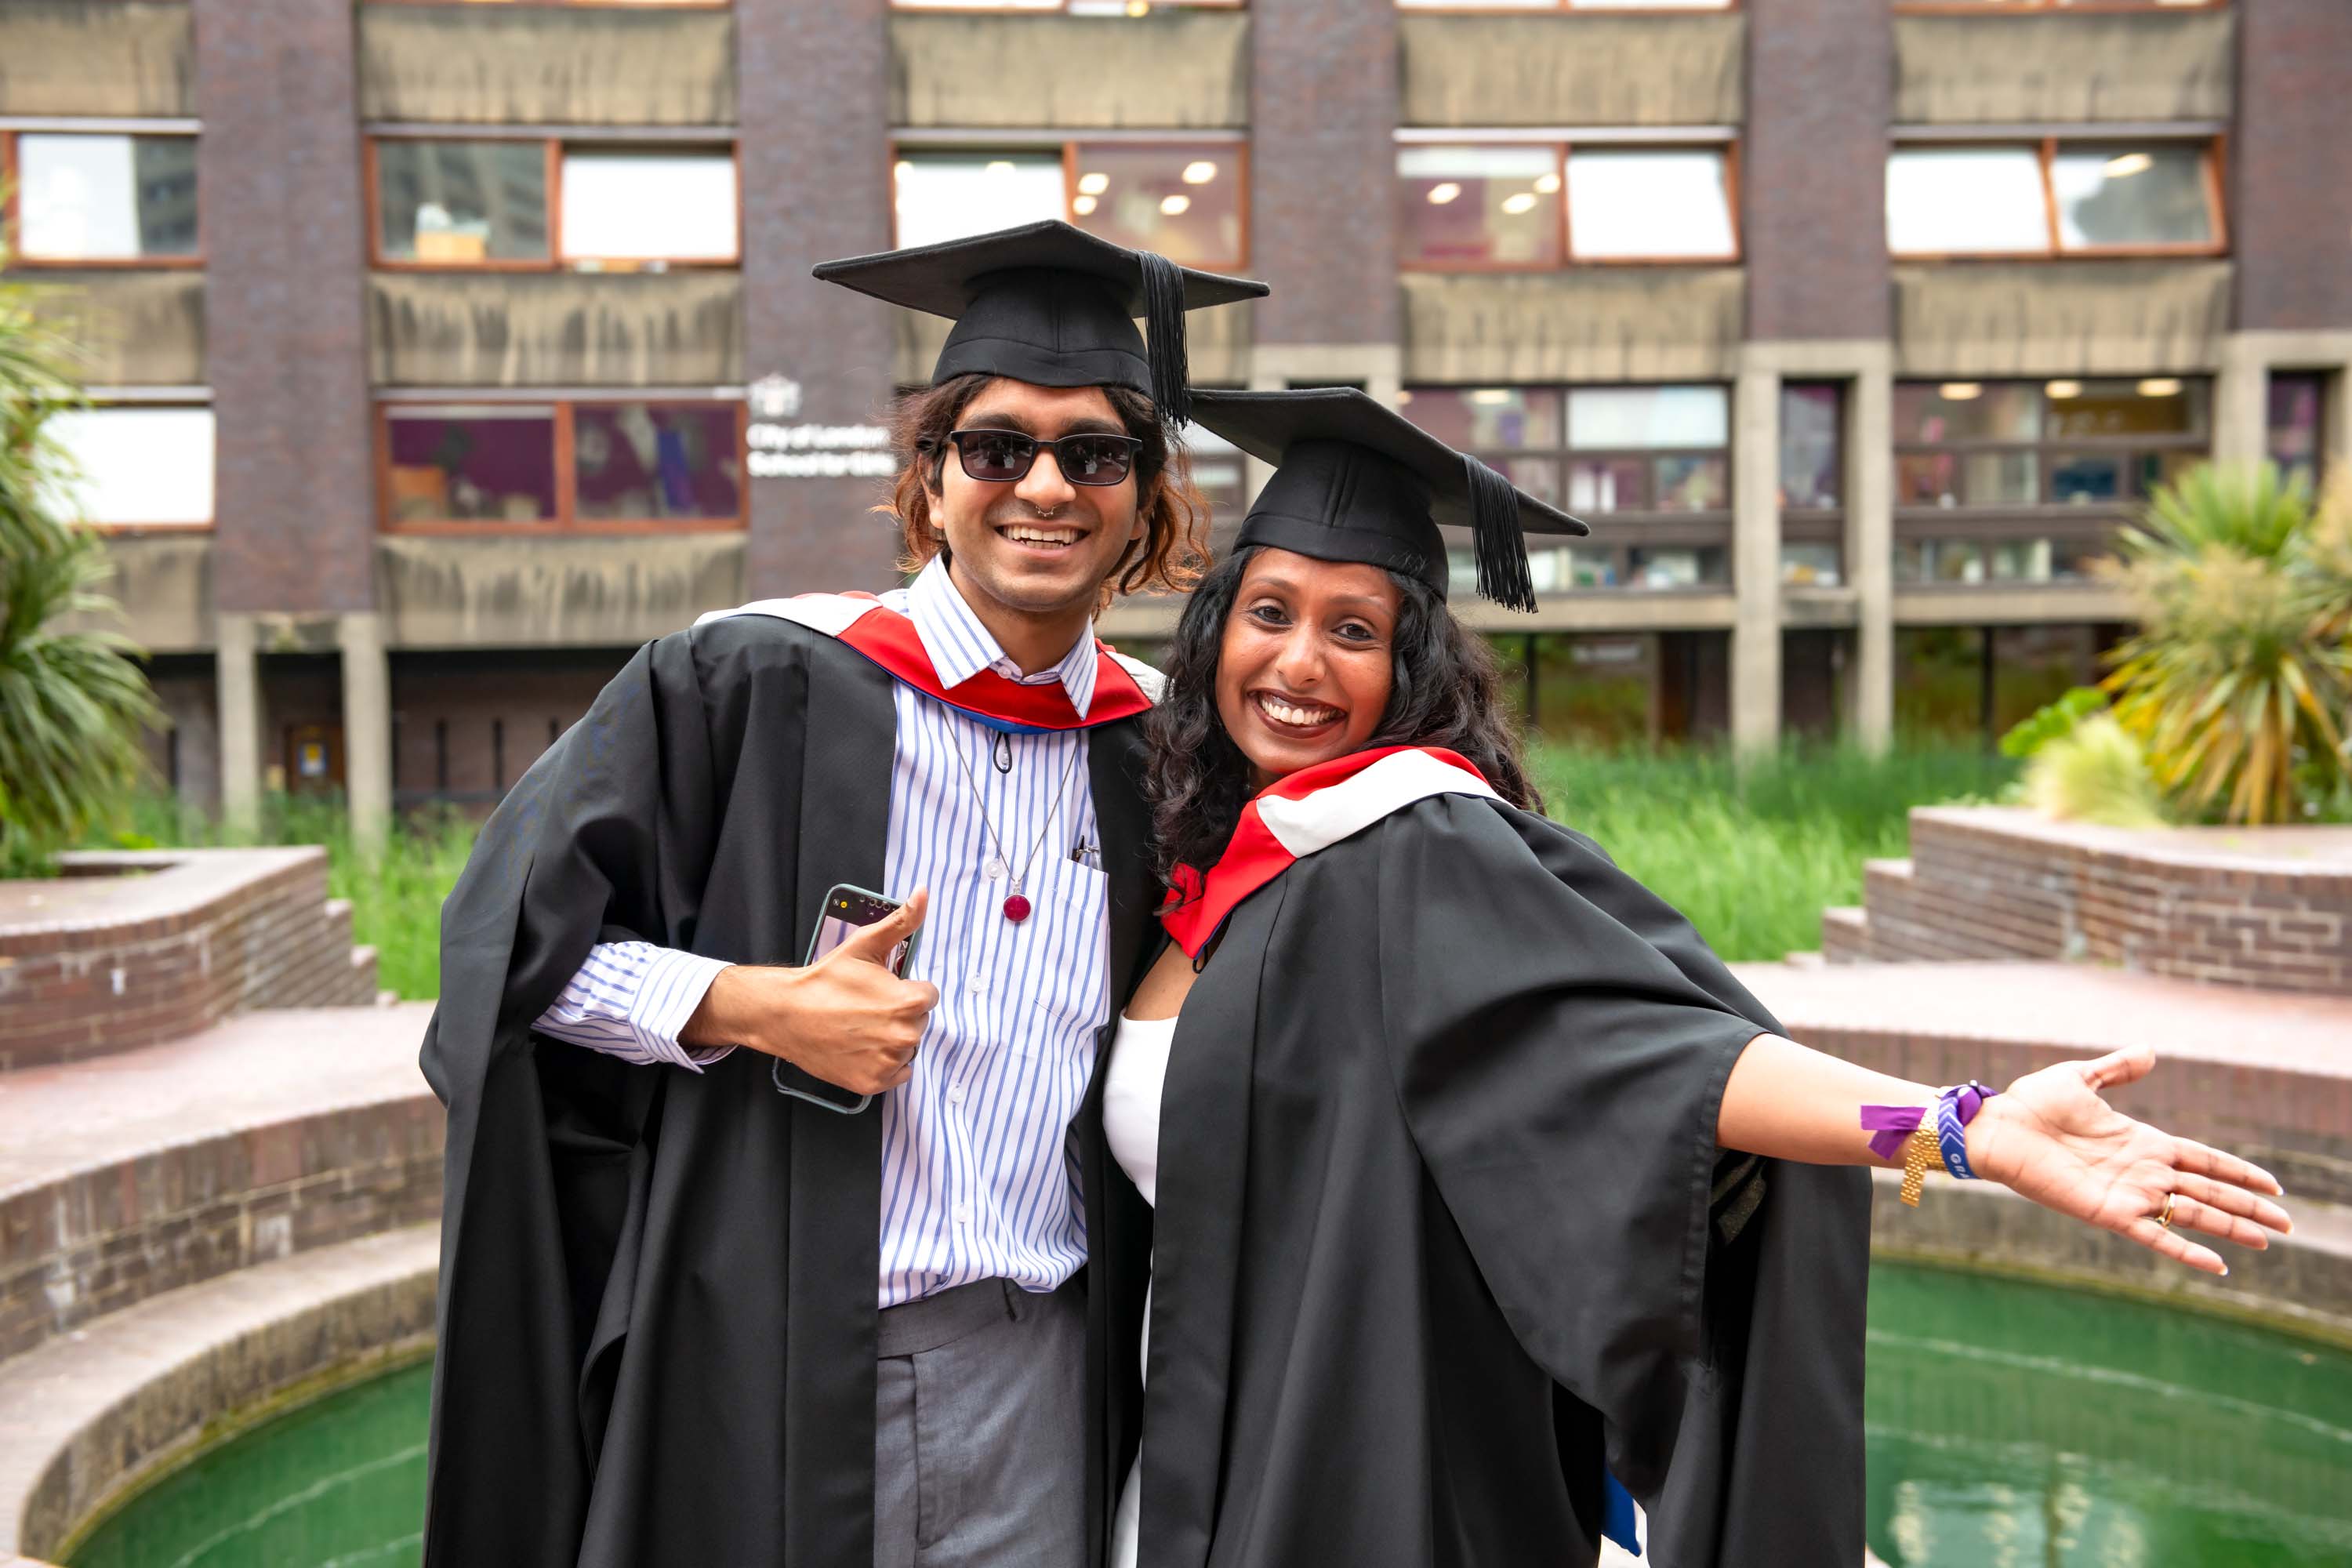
(1303, 671)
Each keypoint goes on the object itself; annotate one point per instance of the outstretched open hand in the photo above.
(2053, 1138)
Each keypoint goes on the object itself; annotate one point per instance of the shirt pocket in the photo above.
(1053, 968)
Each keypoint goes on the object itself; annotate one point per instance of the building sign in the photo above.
(783, 450)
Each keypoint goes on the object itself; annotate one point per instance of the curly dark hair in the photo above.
(1174, 551)
(1447, 693)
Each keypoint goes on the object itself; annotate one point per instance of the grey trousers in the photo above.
(980, 1430)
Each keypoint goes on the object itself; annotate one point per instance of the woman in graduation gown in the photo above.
(1478, 1178)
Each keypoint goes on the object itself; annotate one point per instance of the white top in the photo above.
(1138, 1067)
(1137, 1070)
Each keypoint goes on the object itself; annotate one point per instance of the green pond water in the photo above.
(2010, 1426)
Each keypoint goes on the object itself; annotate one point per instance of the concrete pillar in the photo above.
(2335, 450)
(2242, 401)
(1756, 560)
(367, 728)
(237, 679)
(1870, 550)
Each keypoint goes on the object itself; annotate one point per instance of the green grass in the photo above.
(395, 903)
(1753, 857)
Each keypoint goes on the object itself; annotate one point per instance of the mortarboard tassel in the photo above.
(1502, 549)
(1163, 326)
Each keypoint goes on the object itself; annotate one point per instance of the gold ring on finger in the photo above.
(2164, 1220)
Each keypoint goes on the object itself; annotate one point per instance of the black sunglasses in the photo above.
(1000, 456)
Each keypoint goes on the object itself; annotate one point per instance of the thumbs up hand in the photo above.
(846, 1018)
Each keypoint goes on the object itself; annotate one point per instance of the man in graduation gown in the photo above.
(696, 1307)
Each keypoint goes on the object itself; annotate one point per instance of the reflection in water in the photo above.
(338, 1484)
(2017, 1427)
(2010, 1426)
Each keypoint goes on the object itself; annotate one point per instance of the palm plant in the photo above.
(2239, 678)
(72, 702)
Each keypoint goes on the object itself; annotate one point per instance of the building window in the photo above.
(2298, 410)
(1649, 466)
(1812, 484)
(649, 5)
(137, 466)
(1186, 200)
(110, 199)
(537, 206)
(1073, 7)
(623, 465)
(1478, 207)
(2055, 198)
(1221, 473)
(1952, 7)
(2027, 482)
(1565, 5)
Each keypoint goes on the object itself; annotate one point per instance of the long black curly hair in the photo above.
(1447, 693)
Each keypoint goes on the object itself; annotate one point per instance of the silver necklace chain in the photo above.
(1069, 770)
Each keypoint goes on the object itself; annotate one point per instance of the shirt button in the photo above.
(963, 1214)
(976, 985)
(955, 1094)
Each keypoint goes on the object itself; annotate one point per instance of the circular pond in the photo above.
(2009, 1425)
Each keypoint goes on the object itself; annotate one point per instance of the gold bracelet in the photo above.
(1921, 1154)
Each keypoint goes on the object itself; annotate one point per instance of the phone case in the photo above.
(806, 1086)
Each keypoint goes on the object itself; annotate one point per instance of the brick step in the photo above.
(274, 1133)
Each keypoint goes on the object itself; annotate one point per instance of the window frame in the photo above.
(1561, 150)
(2212, 150)
(103, 400)
(1621, 532)
(12, 186)
(1817, 524)
(901, 144)
(565, 404)
(371, 176)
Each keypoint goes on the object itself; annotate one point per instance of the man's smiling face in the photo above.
(1039, 544)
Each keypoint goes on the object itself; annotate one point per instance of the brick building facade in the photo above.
(421, 393)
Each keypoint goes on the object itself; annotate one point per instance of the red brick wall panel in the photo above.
(2271, 908)
(199, 935)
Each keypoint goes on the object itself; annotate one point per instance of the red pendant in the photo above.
(1016, 908)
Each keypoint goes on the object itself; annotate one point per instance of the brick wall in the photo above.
(132, 949)
(2269, 908)
(98, 1240)
(1812, 213)
(2291, 226)
(1323, 104)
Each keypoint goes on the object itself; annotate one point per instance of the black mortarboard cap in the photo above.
(1355, 481)
(1051, 305)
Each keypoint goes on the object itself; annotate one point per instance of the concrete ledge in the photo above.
(2301, 1284)
(278, 1134)
(90, 1419)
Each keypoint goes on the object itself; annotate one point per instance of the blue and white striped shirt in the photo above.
(976, 1182)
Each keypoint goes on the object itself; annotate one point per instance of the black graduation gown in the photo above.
(657, 1304)
(1442, 1226)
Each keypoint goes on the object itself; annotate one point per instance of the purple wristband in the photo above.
(1953, 1110)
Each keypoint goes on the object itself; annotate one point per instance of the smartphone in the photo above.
(846, 908)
